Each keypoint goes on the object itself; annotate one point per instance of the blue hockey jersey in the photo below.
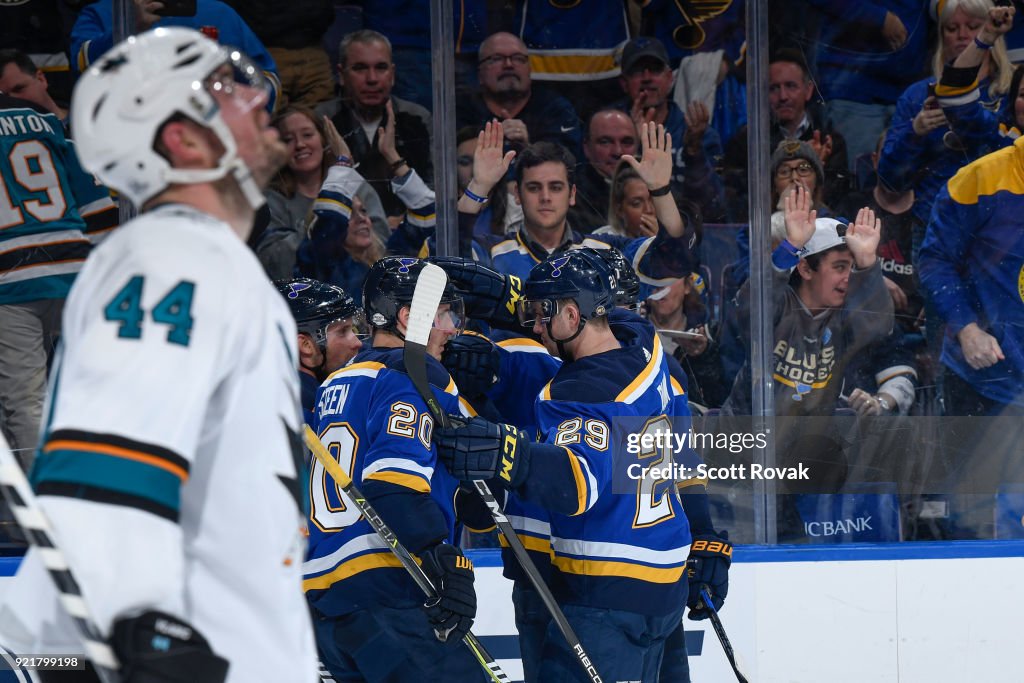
(625, 546)
(371, 418)
(972, 266)
(526, 368)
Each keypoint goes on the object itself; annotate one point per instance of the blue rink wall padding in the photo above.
(868, 515)
(850, 552)
(1010, 511)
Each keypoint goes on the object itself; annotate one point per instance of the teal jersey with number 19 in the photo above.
(50, 208)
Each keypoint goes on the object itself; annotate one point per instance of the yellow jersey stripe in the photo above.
(409, 481)
(581, 483)
(375, 560)
(365, 365)
(573, 64)
(626, 570)
(537, 545)
(645, 374)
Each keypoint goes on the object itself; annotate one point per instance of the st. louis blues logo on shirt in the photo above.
(558, 263)
(406, 262)
(296, 287)
(801, 389)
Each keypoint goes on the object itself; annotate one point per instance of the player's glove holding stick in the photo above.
(479, 449)
(451, 612)
(708, 565)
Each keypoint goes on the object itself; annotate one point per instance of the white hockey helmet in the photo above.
(121, 102)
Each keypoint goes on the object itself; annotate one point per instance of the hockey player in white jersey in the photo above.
(171, 467)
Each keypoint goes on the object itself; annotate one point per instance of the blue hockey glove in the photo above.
(479, 449)
(488, 295)
(474, 362)
(451, 612)
(155, 647)
(708, 565)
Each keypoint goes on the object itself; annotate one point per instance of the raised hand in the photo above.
(655, 167)
(999, 22)
(516, 132)
(386, 136)
(335, 142)
(822, 147)
(799, 217)
(862, 237)
(641, 113)
(697, 119)
(490, 161)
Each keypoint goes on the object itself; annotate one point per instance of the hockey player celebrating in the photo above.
(170, 461)
(618, 560)
(371, 623)
(331, 327)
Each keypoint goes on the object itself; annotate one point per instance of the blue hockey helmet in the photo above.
(627, 293)
(582, 275)
(390, 285)
(316, 306)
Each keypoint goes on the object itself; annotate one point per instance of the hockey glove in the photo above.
(479, 449)
(708, 565)
(451, 612)
(488, 295)
(155, 647)
(474, 362)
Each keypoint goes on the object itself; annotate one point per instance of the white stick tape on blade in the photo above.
(101, 654)
(53, 559)
(30, 518)
(425, 299)
(74, 605)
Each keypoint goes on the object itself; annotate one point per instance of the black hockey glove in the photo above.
(479, 449)
(474, 362)
(451, 612)
(708, 565)
(487, 294)
(155, 647)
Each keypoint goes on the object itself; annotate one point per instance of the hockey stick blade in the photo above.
(723, 638)
(423, 310)
(37, 529)
(426, 298)
(343, 480)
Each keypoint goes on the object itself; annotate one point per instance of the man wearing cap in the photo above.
(830, 302)
(647, 82)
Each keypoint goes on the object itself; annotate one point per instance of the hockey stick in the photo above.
(344, 481)
(425, 299)
(716, 623)
(37, 529)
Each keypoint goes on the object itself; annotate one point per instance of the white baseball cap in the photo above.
(828, 233)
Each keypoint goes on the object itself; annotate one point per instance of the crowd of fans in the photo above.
(904, 111)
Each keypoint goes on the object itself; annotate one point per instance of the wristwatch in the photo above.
(883, 403)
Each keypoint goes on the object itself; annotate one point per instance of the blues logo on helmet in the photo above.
(390, 285)
(581, 275)
(316, 306)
